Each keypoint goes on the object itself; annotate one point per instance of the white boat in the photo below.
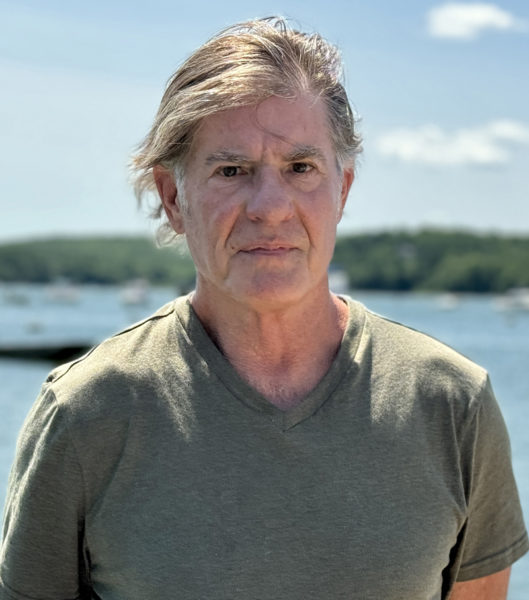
(62, 291)
(15, 297)
(447, 301)
(515, 299)
(135, 293)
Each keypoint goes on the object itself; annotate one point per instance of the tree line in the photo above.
(455, 261)
(94, 260)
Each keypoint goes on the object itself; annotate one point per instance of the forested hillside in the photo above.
(426, 260)
(94, 260)
(434, 260)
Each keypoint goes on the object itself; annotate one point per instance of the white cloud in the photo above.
(466, 21)
(485, 145)
(508, 130)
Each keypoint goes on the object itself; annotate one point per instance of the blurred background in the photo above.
(435, 234)
(442, 91)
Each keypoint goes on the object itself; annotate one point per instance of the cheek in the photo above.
(208, 233)
(225, 218)
(321, 222)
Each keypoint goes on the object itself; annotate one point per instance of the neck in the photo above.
(283, 353)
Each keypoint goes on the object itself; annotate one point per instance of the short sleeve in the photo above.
(43, 528)
(494, 535)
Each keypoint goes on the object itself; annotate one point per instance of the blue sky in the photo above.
(442, 89)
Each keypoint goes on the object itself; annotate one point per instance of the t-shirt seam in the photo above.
(475, 404)
(352, 363)
(67, 418)
(211, 371)
(71, 439)
(475, 399)
(518, 543)
(12, 593)
(191, 344)
(353, 307)
(128, 329)
(378, 316)
(8, 589)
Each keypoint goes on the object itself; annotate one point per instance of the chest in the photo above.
(266, 514)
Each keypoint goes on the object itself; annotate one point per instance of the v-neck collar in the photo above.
(245, 393)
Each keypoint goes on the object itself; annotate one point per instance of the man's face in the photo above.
(263, 196)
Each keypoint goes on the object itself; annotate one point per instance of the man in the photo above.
(261, 438)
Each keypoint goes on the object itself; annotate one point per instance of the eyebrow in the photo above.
(298, 153)
(304, 151)
(226, 156)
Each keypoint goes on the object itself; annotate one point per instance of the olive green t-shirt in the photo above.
(149, 469)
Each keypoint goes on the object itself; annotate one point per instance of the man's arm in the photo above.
(40, 551)
(491, 587)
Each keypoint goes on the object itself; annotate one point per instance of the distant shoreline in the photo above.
(426, 260)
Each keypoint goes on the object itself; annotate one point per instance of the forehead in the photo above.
(274, 124)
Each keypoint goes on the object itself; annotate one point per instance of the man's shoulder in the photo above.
(135, 376)
(405, 356)
(418, 346)
(119, 362)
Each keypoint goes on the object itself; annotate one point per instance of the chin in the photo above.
(273, 292)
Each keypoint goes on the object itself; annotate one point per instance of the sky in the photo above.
(441, 90)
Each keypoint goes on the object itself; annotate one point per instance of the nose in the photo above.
(271, 200)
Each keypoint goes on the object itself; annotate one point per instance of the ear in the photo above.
(166, 186)
(347, 181)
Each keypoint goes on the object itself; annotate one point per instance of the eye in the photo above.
(229, 171)
(301, 167)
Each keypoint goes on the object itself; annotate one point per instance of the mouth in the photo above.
(276, 249)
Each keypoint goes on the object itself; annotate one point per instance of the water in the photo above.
(473, 325)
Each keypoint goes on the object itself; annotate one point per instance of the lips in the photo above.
(268, 248)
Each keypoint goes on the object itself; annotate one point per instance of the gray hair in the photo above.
(240, 66)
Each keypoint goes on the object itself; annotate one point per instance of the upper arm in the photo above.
(41, 535)
(491, 587)
(494, 531)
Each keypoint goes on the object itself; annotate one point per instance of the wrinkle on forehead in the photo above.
(263, 116)
(311, 101)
